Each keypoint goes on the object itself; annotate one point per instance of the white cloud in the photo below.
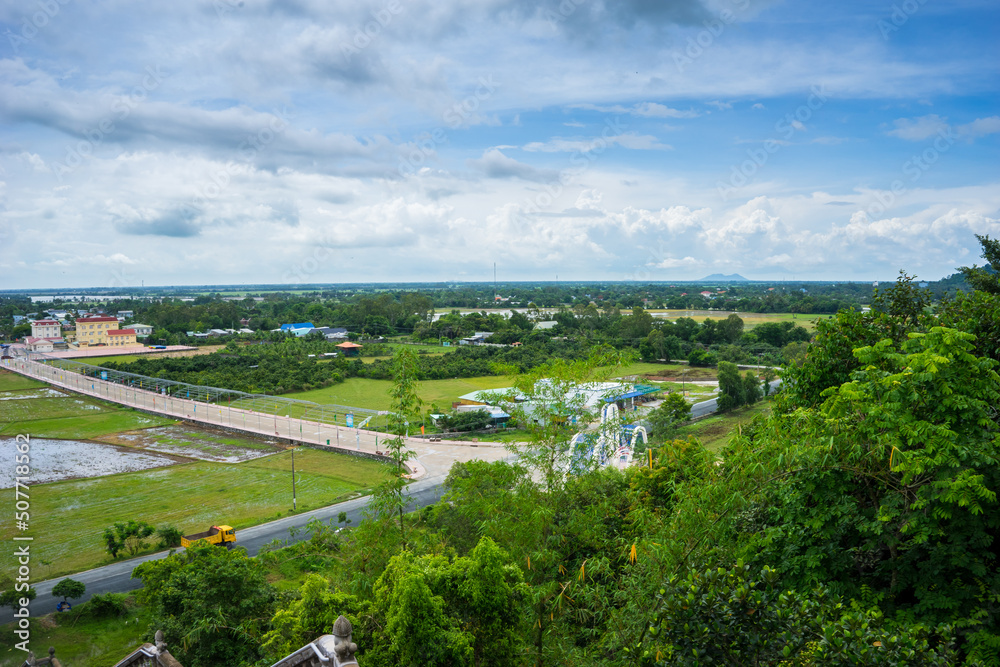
(677, 263)
(918, 129)
(980, 127)
(628, 140)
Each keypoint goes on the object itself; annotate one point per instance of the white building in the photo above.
(46, 329)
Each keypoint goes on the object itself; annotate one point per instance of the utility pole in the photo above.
(294, 505)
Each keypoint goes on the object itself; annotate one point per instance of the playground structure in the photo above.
(612, 443)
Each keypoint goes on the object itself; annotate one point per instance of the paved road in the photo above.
(711, 405)
(117, 577)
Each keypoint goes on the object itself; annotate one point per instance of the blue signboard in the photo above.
(104, 375)
(350, 420)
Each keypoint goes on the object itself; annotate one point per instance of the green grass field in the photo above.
(714, 432)
(13, 382)
(67, 518)
(750, 320)
(71, 416)
(374, 394)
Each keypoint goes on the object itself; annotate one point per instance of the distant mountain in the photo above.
(719, 278)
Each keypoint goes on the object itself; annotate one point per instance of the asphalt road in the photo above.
(117, 577)
(712, 404)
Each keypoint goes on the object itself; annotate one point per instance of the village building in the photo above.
(94, 330)
(46, 329)
(142, 330)
(121, 337)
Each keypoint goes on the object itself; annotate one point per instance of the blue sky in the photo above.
(228, 141)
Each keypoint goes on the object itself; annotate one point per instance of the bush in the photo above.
(700, 357)
(169, 536)
(107, 605)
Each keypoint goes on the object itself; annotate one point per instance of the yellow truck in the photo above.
(223, 536)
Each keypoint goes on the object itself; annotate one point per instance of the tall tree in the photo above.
(985, 279)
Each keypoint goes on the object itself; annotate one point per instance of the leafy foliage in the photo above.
(170, 537)
(213, 604)
(69, 588)
(127, 536)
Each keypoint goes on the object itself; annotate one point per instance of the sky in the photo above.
(319, 141)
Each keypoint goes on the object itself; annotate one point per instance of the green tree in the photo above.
(733, 617)
(379, 532)
(311, 615)
(10, 596)
(127, 536)
(405, 405)
(212, 604)
(890, 485)
(731, 328)
(69, 588)
(751, 388)
(663, 420)
(170, 536)
(731, 387)
(985, 279)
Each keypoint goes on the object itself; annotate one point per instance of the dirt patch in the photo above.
(197, 443)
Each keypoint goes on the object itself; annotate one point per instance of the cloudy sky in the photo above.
(252, 141)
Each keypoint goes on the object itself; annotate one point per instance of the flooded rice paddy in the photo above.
(53, 460)
(196, 443)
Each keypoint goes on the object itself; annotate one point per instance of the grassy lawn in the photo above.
(13, 382)
(750, 320)
(714, 432)
(71, 416)
(78, 642)
(68, 517)
(374, 394)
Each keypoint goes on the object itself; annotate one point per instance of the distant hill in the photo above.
(719, 278)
